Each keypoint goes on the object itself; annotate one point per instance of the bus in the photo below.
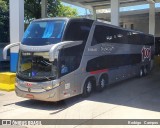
(63, 57)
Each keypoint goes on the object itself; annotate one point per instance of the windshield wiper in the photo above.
(47, 78)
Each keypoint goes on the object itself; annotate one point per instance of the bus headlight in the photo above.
(48, 87)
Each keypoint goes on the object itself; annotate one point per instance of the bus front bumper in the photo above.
(50, 95)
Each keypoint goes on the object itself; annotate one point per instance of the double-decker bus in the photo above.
(61, 57)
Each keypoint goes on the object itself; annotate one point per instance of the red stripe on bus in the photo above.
(98, 71)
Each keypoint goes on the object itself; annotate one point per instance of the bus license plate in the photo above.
(30, 96)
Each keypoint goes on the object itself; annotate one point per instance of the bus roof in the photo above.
(96, 21)
(63, 18)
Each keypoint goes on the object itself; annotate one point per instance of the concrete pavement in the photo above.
(131, 99)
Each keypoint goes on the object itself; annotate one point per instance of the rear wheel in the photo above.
(145, 70)
(88, 88)
(141, 72)
(102, 83)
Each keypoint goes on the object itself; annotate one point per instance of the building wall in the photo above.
(139, 22)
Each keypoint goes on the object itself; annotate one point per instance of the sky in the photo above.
(82, 11)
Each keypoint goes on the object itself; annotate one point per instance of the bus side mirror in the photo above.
(54, 51)
(8, 47)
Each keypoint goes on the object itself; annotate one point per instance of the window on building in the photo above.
(132, 26)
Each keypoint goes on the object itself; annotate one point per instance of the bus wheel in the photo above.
(102, 83)
(141, 72)
(145, 70)
(87, 89)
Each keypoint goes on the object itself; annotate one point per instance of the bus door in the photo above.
(67, 66)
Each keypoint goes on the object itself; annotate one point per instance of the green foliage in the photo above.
(66, 11)
(3, 6)
(32, 11)
(54, 9)
(4, 21)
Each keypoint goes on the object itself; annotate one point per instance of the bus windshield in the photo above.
(36, 66)
(44, 33)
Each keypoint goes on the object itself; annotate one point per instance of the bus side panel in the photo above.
(120, 68)
(67, 86)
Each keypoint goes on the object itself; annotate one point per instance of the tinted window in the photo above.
(149, 40)
(44, 33)
(71, 58)
(139, 38)
(112, 61)
(133, 37)
(77, 30)
(106, 34)
(157, 46)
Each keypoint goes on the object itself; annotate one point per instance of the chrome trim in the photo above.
(54, 51)
(29, 48)
(8, 47)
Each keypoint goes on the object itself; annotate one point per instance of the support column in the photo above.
(43, 8)
(16, 29)
(115, 12)
(152, 19)
(94, 13)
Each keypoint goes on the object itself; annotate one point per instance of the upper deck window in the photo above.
(44, 33)
(108, 34)
(77, 30)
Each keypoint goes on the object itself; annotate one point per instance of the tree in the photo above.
(66, 11)
(32, 11)
(54, 9)
(4, 21)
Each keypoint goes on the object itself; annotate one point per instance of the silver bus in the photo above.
(62, 57)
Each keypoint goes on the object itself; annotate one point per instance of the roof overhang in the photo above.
(102, 4)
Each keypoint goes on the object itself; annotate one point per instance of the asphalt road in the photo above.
(131, 99)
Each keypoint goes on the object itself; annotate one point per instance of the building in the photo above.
(17, 17)
(136, 20)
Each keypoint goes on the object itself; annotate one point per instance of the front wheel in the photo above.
(87, 89)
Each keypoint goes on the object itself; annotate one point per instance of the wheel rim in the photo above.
(102, 83)
(141, 72)
(89, 87)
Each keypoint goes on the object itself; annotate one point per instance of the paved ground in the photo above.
(131, 99)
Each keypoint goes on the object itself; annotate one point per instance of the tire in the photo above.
(88, 88)
(141, 72)
(102, 84)
(145, 71)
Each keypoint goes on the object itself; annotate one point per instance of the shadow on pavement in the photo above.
(143, 93)
(50, 106)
